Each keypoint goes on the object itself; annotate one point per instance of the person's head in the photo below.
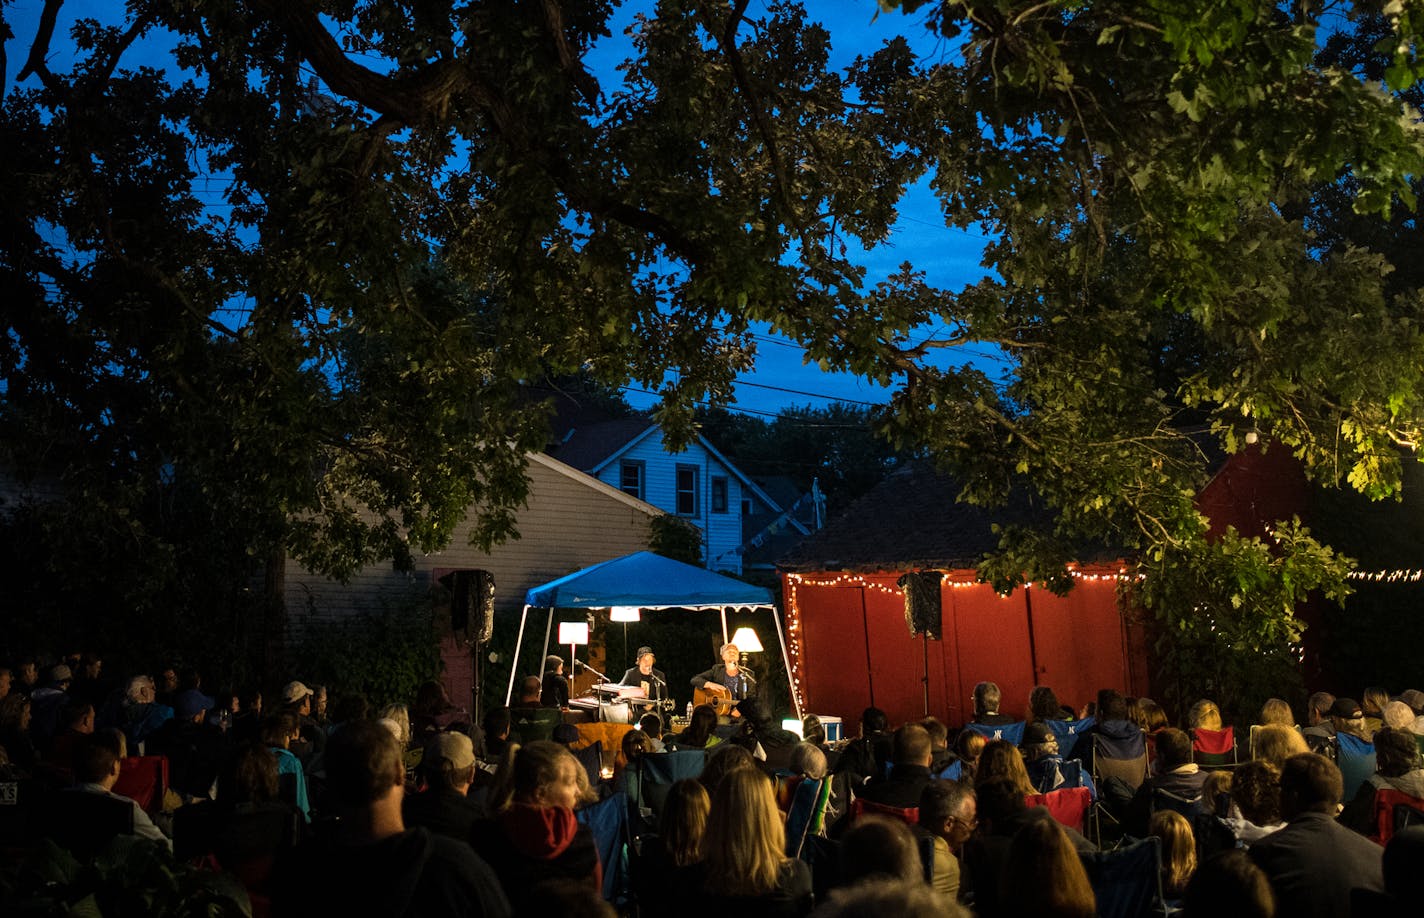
(1111, 705)
(873, 721)
(15, 712)
(168, 679)
(635, 745)
(431, 700)
(1347, 716)
(496, 723)
(1396, 752)
(997, 800)
(1310, 783)
(449, 762)
(90, 664)
(279, 729)
(1317, 708)
(1174, 749)
(1399, 715)
(652, 725)
(1179, 849)
(60, 676)
(1039, 741)
(319, 700)
(1152, 716)
(529, 689)
(554, 664)
(1204, 715)
(812, 730)
(730, 653)
(1043, 875)
(192, 705)
(399, 714)
(986, 698)
(1415, 699)
(27, 671)
(1043, 703)
(684, 821)
(1002, 759)
(1229, 883)
(1256, 791)
(296, 697)
(808, 760)
(1374, 700)
(700, 725)
(939, 733)
(969, 746)
(364, 767)
(880, 896)
(1276, 742)
(1276, 711)
(96, 758)
(248, 776)
(542, 774)
(722, 761)
(78, 717)
(947, 809)
(1216, 784)
(745, 841)
(912, 746)
(877, 846)
(7, 679)
(140, 690)
(645, 660)
(754, 712)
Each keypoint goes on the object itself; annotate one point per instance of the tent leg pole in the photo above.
(725, 639)
(786, 659)
(514, 663)
(549, 630)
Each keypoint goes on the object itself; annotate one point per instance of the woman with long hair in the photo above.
(1002, 759)
(1179, 851)
(1043, 704)
(969, 745)
(670, 862)
(747, 870)
(1043, 876)
(1275, 743)
(698, 734)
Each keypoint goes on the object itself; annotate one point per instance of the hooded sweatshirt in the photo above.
(525, 844)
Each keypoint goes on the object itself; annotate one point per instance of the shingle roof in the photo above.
(589, 445)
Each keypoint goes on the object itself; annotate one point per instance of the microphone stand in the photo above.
(596, 693)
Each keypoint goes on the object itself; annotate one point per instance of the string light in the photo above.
(1396, 576)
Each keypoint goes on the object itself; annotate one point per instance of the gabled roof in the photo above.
(912, 521)
(648, 581)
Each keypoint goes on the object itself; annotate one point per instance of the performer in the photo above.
(728, 678)
(555, 693)
(652, 680)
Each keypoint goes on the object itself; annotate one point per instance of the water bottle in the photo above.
(689, 710)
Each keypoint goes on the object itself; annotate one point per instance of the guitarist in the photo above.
(728, 680)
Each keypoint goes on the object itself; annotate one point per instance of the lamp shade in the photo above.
(573, 632)
(625, 614)
(746, 640)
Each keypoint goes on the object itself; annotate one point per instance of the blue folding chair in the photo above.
(1127, 881)
(658, 771)
(951, 772)
(1068, 732)
(608, 821)
(1356, 760)
(1013, 732)
(807, 813)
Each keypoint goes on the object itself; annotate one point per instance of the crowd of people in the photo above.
(412, 809)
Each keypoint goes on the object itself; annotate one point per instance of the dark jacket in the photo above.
(1314, 862)
(525, 844)
(902, 789)
(443, 812)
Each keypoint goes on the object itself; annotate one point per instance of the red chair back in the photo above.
(143, 778)
(1067, 805)
(1387, 802)
(860, 807)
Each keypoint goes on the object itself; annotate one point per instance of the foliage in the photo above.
(131, 876)
(384, 656)
(1229, 629)
(676, 538)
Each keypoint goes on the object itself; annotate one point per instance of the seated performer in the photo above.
(729, 678)
(554, 690)
(652, 680)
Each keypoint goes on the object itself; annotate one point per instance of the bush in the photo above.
(384, 656)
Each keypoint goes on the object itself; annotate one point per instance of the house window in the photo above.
(687, 490)
(630, 479)
(719, 495)
(746, 507)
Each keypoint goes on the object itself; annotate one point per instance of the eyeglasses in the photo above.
(970, 824)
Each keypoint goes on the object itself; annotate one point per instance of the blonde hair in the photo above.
(526, 772)
(1399, 715)
(401, 715)
(1216, 784)
(1276, 711)
(745, 842)
(1276, 743)
(1179, 850)
(1204, 715)
(1002, 759)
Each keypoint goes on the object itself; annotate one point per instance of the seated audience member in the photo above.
(1403, 865)
(1043, 705)
(878, 846)
(747, 870)
(47, 701)
(1399, 715)
(247, 717)
(76, 721)
(495, 726)
(911, 771)
(941, 755)
(1372, 704)
(248, 824)
(96, 770)
(1276, 742)
(1347, 716)
(434, 712)
(1043, 875)
(399, 714)
(652, 726)
(1256, 802)
(373, 864)
(553, 687)
(87, 685)
(530, 690)
(142, 714)
(1000, 759)
(1229, 883)
(1314, 862)
(1047, 770)
(1112, 728)
(1397, 767)
(634, 745)
(948, 816)
(1176, 774)
(776, 743)
(721, 762)
(1153, 719)
(194, 748)
(27, 676)
(879, 897)
(698, 733)
(7, 679)
(987, 698)
(532, 834)
(1179, 850)
(670, 862)
(15, 717)
(278, 732)
(445, 807)
(868, 755)
(968, 746)
(1204, 715)
(310, 741)
(1002, 813)
(1276, 711)
(1318, 731)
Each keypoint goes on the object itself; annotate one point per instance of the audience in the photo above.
(1179, 850)
(1231, 884)
(911, 772)
(987, 698)
(878, 846)
(1275, 743)
(448, 769)
(1043, 876)
(747, 870)
(671, 862)
(1397, 767)
(96, 771)
(948, 816)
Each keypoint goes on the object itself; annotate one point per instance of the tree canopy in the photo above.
(300, 257)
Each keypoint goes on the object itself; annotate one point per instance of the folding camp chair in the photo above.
(951, 772)
(1395, 810)
(1190, 807)
(861, 807)
(1214, 748)
(143, 779)
(806, 815)
(1356, 758)
(83, 823)
(591, 758)
(1127, 881)
(1068, 805)
(658, 771)
(1118, 765)
(607, 820)
(1013, 732)
(531, 724)
(1068, 732)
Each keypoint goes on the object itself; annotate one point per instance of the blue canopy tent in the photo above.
(647, 581)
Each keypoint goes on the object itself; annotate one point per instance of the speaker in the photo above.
(471, 594)
(924, 611)
(484, 605)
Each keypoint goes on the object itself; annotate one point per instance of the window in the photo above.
(630, 479)
(746, 507)
(719, 495)
(687, 490)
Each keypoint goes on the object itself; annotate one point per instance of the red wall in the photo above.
(853, 655)
(1253, 490)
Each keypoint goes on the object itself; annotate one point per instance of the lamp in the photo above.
(625, 614)
(573, 633)
(746, 640)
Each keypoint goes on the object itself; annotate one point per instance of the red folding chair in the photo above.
(143, 778)
(1067, 805)
(1214, 748)
(1394, 810)
(860, 807)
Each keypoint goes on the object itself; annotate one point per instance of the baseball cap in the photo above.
(454, 748)
(1346, 708)
(295, 691)
(641, 651)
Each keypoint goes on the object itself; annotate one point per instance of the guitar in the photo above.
(722, 703)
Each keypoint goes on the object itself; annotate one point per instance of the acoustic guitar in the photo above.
(722, 703)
